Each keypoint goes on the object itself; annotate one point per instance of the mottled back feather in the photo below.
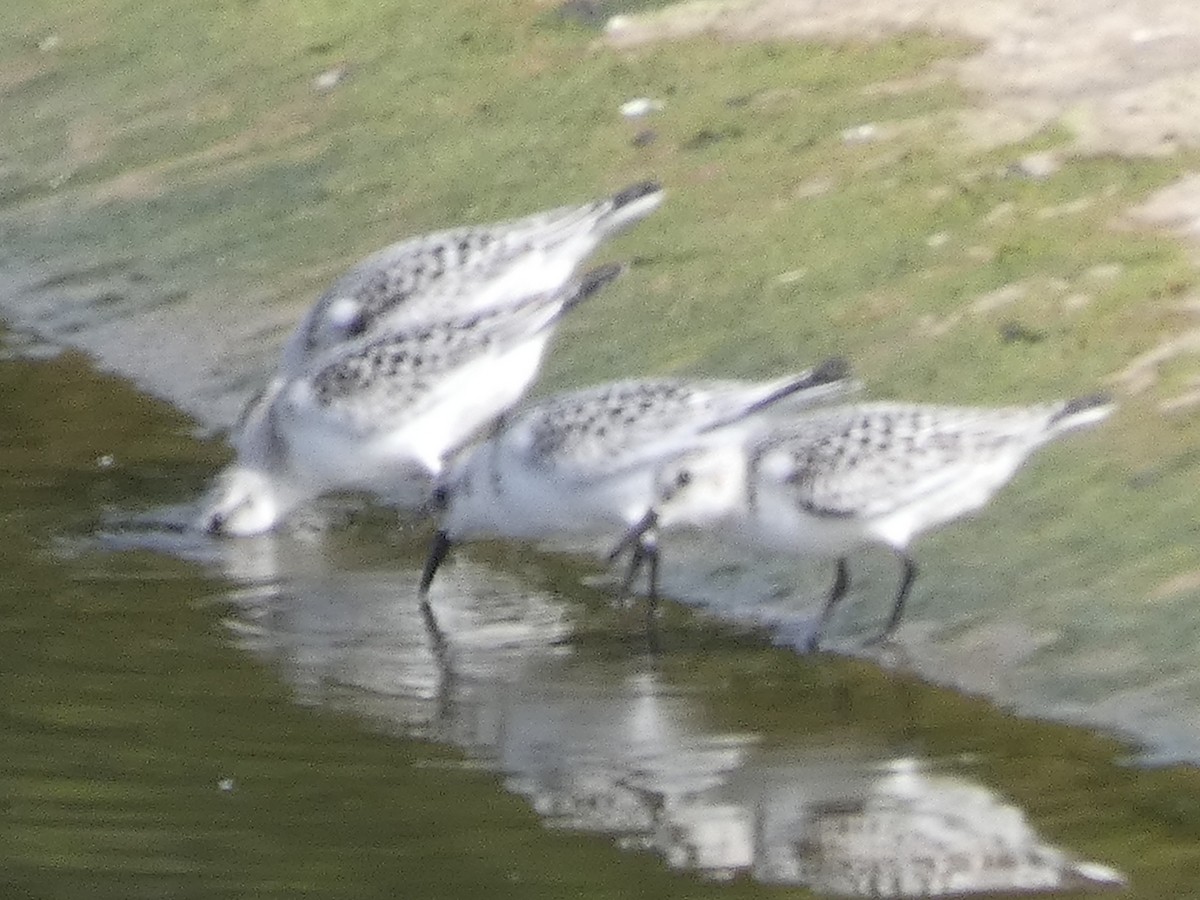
(869, 460)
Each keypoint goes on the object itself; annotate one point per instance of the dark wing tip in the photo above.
(634, 192)
(836, 368)
(594, 279)
(1082, 404)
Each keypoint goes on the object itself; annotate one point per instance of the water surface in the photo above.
(272, 717)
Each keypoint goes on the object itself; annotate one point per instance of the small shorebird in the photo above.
(462, 270)
(385, 413)
(583, 463)
(832, 481)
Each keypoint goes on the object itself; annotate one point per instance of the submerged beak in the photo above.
(213, 524)
(633, 536)
(437, 554)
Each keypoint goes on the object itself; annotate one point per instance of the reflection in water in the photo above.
(605, 745)
(912, 833)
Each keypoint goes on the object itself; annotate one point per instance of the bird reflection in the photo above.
(608, 745)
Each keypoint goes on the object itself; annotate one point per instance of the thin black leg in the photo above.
(841, 582)
(447, 685)
(649, 545)
(644, 552)
(437, 554)
(437, 638)
(651, 555)
(637, 557)
(906, 582)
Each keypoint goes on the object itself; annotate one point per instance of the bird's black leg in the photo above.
(437, 555)
(643, 543)
(637, 558)
(439, 647)
(906, 582)
(649, 545)
(644, 553)
(635, 541)
(437, 638)
(841, 582)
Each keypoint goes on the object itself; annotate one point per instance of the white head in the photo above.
(245, 501)
(246, 498)
(465, 504)
(466, 498)
(703, 487)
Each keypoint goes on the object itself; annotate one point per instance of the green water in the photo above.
(125, 705)
(171, 732)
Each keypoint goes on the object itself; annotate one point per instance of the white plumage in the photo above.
(832, 481)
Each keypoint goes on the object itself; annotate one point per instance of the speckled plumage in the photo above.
(583, 463)
(381, 382)
(869, 460)
(612, 426)
(831, 481)
(385, 413)
(462, 270)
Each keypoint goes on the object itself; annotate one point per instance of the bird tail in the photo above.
(1081, 413)
(630, 205)
(829, 378)
(590, 282)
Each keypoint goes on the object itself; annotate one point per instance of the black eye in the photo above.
(683, 479)
(440, 497)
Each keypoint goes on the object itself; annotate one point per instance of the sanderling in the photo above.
(463, 270)
(388, 411)
(834, 480)
(583, 463)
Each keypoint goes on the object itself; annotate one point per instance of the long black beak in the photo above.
(437, 554)
(633, 536)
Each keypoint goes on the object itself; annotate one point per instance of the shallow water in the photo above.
(272, 717)
(176, 232)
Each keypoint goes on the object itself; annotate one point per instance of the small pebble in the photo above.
(225, 785)
(1037, 166)
(105, 462)
(330, 78)
(861, 134)
(639, 107)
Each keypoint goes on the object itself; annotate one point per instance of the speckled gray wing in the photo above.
(384, 383)
(450, 261)
(869, 460)
(601, 430)
(446, 265)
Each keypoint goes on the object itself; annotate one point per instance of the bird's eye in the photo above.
(683, 479)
